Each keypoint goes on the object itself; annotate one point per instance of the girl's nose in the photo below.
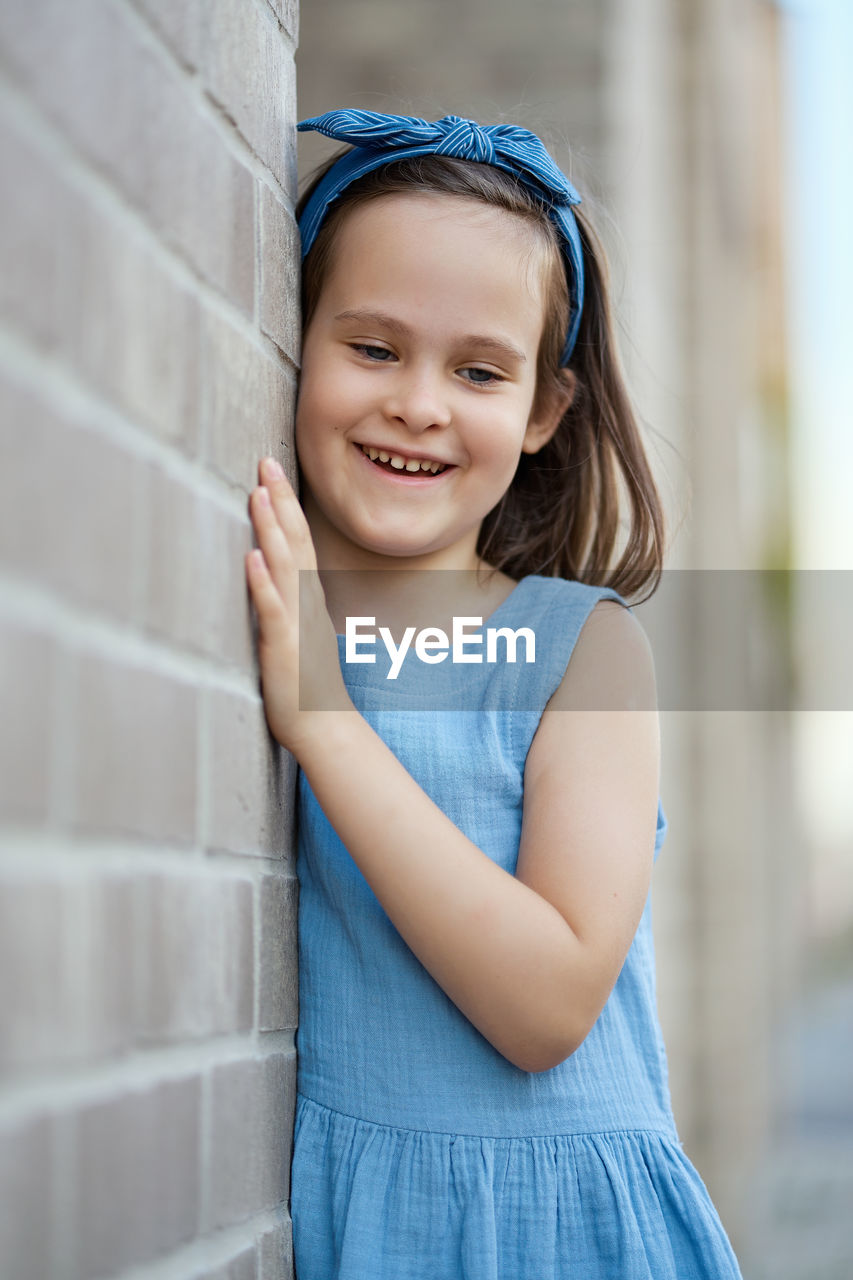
(419, 400)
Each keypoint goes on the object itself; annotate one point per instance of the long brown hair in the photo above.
(561, 515)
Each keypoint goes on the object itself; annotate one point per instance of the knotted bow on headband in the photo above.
(379, 139)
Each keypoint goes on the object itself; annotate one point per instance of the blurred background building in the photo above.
(148, 356)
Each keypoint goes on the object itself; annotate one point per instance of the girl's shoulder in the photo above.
(590, 647)
(560, 595)
(594, 655)
(562, 606)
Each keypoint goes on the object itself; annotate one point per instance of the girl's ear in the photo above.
(548, 412)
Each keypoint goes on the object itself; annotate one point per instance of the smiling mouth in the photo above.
(400, 463)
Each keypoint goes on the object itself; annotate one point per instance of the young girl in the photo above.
(482, 1085)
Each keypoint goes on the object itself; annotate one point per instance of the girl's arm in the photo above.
(529, 959)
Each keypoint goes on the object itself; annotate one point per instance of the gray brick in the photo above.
(25, 1179)
(102, 950)
(182, 26)
(66, 971)
(43, 243)
(248, 405)
(228, 633)
(278, 978)
(36, 987)
(176, 584)
(251, 1131)
(215, 223)
(74, 281)
(243, 1266)
(195, 581)
(137, 1178)
(275, 1260)
(245, 64)
(287, 12)
(140, 338)
(280, 265)
(250, 71)
(187, 27)
(250, 787)
(196, 944)
(27, 519)
(68, 515)
(27, 666)
(134, 766)
(133, 118)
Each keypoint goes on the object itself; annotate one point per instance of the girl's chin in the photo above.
(397, 537)
(400, 545)
(401, 549)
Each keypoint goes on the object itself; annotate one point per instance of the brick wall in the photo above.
(148, 346)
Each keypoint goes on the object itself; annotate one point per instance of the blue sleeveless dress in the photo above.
(420, 1153)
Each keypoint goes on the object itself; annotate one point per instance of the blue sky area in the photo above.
(819, 65)
(819, 56)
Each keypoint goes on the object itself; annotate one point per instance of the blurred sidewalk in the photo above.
(804, 1209)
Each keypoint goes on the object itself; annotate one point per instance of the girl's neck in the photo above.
(335, 551)
(400, 591)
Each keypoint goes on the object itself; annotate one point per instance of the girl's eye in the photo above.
(480, 377)
(380, 354)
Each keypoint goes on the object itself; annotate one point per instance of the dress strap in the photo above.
(555, 610)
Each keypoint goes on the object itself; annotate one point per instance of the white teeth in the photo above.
(399, 463)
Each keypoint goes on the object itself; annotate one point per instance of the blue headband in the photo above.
(377, 140)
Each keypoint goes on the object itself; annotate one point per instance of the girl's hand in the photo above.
(298, 652)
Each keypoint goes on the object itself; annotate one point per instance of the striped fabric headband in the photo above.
(377, 140)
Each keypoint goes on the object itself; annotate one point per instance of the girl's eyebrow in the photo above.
(501, 346)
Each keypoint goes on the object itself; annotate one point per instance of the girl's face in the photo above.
(422, 347)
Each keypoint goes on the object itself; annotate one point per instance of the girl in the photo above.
(481, 1084)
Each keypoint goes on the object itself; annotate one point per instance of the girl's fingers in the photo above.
(288, 512)
(282, 532)
(265, 595)
(277, 549)
(270, 472)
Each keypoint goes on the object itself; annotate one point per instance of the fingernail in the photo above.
(274, 469)
(263, 496)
